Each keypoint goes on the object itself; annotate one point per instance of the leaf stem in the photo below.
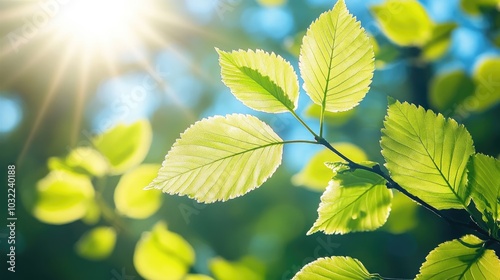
(304, 124)
(391, 184)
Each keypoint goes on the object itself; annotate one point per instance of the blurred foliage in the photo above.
(57, 185)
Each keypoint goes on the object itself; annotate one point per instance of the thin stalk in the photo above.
(303, 123)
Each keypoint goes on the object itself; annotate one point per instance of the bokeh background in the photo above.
(58, 88)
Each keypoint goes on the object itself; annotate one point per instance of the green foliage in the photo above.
(487, 79)
(244, 269)
(353, 201)
(97, 244)
(208, 165)
(464, 258)
(130, 198)
(339, 268)
(405, 22)
(162, 254)
(427, 155)
(83, 160)
(439, 42)
(125, 146)
(403, 216)
(336, 60)
(450, 89)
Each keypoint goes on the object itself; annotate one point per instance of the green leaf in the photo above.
(130, 197)
(220, 158)
(484, 182)
(353, 201)
(338, 268)
(244, 269)
(486, 76)
(336, 60)
(161, 254)
(405, 22)
(197, 277)
(125, 146)
(262, 81)
(96, 244)
(449, 90)
(403, 216)
(427, 155)
(439, 42)
(83, 160)
(62, 197)
(332, 119)
(464, 258)
(316, 175)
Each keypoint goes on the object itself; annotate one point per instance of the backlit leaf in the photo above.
(486, 76)
(439, 42)
(220, 158)
(332, 119)
(130, 197)
(262, 81)
(427, 155)
(97, 244)
(353, 201)
(125, 146)
(449, 90)
(84, 160)
(338, 268)
(316, 175)
(405, 22)
(484, 182)
(63, 197)
(463, 258)
(197, 277)
(161, 254)
(336, 60)
(242, 270)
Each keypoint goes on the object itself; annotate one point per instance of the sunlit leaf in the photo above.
(84, 160)
(403, 216)
(336, 60)
(439, 42)
(197, 277)
(486, 76)
(332, 119)
(242, 270)
(338, 268)
(464, 258)
(316, 174)
(220, 158)
(96, 244)
(449, 90)
(161, 254)
(484, 182)
(353, 201)
(130, 197)
(427, 155)
(262, 81)
(62, 197)
(473, 7)
(125, 146)
(93, 213)
(405, 22)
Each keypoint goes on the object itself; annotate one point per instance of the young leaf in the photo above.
(316, 174)
(125, 146)
(161, 253)
(427, 155)
(405, 22)
(63, 197)
(484, 182)
(83, 160)
(96, 244)
(262, 81)
(220, 158)
(130, 198)
(341, 268)
(353, 201)
(463, 258)
(336, 60)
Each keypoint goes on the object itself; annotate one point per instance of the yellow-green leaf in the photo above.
(262, 81)
(316, 175)
(403, 216)
(484, 182)
(62, 197)
(405, 22)
(84, 160)
(125, 146)
(427, 155)
(96, 244)
(449, 90)
(220, 158)
(161, 254)
(332, 119)
(197, 277)
(439, 42)
(465, 258)
(336, 60)
(486, 76)
(353, 201)
(338, 268)
(130, 197)
(243, 269)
